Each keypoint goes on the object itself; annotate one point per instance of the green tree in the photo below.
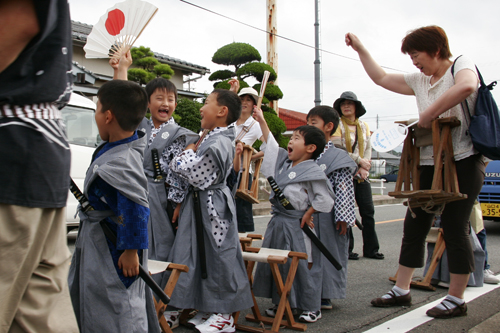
(147, 67)
(187, 114)
(246, 61)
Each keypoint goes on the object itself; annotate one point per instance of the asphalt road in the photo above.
(368, 278)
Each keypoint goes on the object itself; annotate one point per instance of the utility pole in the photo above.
(317, 62)
(272, 55)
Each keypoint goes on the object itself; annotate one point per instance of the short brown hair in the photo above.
(431, 39)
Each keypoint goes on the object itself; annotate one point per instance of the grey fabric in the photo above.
(101, 301)
(334, 282)
(160, 232)
(226, 288)
(283, 232)
(442, 272)
(121, 167)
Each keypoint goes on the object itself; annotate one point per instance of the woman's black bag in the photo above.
(484, 127)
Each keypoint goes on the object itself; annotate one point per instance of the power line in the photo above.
(282, 37)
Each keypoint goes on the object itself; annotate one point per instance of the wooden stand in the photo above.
(273, 258)
(435, 236)
(176, 269)
(409, 173)
(247, 239)
(242, 192)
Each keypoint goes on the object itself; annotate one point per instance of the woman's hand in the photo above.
(235, 85)
(363, 173)
(258, 115)
(353, 41)
(365, 164)
(425, 119)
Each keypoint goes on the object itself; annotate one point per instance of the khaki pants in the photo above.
(34, 264)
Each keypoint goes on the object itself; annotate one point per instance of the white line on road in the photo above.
(417, 317)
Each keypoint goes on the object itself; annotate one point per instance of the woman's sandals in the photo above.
(394, 300)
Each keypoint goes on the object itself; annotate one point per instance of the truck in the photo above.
(489, 198)
(83, 138)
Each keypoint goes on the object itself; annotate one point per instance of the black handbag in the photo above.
(484, 126)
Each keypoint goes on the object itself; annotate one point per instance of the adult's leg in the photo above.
(34, 294)
(455, 223)
(363, 194)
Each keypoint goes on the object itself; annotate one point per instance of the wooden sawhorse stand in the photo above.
(409, 174)
(274, 258)
(242, 192)
(246, 239)
(155, 267)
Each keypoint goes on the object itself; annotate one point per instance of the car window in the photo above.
(80, 126)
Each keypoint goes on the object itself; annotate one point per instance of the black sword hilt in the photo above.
(156, 165)
(84, 203)
(279, 194)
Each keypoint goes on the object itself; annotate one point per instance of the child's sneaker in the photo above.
(310, 316)
(271, 312)
(217, 323)
(172, 318)
(198, 319)
(326, 304)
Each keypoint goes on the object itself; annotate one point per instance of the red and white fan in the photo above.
(118, 29)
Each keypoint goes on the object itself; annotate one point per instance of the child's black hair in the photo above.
(127, 100)
(231, 101)
(160, 84)
(313, 136)
(327, 114)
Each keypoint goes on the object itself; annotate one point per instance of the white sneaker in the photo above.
(310, 316)
(490, 277)
(198, 319)
(172, 318)
(271, 312)
(217, 323)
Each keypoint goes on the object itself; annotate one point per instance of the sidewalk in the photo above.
(264, 207)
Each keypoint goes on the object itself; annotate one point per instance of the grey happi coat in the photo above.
(100, 300)
(334, 282)
(226, 289)
(283, 232)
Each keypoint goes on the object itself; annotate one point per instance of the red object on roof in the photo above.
(292, 119)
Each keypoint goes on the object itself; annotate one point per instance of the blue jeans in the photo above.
(481, 236)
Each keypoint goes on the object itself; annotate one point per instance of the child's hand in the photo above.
(114, 62)
(239, 148)
(307, 219)
(258, 115)
(129, 263)
(190, 146)
(175, 216)
(342, 226)
(125, 61)
(235, 85)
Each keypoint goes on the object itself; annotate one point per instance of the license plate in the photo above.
(490, 209)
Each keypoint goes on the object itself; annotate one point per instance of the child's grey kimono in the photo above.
(304, 184)
(226, 289)
(160, 232)
(100, 300)
(334, 281)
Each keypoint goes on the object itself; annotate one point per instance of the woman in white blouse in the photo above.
(438, 94)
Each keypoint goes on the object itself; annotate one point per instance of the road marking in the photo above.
(417, 317)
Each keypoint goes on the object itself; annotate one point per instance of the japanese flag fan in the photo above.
(118, 29)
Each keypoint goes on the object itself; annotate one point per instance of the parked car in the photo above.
(83, 137)
(489, 197)
(391, 176)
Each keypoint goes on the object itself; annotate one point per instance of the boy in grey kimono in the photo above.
(105, 291)
(305, 185)
(225, 288)
(333, 227)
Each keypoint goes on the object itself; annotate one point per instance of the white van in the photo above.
(83, 137)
